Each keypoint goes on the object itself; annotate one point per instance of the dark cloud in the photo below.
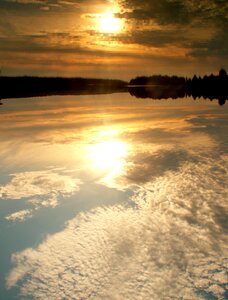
(176, 11)
(6, 28)
(216, 46)
(50, 5)
(155, 135)
(22, 7)
(39, 43)
(178, 20)
(164, 12)
(155, 38)
(147, 166)
(54, 42)
(215, 127)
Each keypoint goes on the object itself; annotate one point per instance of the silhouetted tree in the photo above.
(222, 73)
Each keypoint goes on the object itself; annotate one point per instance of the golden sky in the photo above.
(114, 39)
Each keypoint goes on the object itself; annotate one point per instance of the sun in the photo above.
(108, 23)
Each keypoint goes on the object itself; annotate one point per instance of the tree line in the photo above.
(164, 87)
(155, 87)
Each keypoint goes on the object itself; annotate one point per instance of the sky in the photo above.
(113, 39)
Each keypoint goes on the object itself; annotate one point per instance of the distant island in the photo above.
(154, 87)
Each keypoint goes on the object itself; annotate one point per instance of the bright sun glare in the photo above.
(109, 24)
(109, 157)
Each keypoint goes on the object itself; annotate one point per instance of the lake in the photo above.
(113, 197)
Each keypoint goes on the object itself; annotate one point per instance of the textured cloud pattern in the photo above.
(169, 240)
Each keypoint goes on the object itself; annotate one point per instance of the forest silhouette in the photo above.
(165, 87)
(213, 87)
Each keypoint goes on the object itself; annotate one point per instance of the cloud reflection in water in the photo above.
(168, 239)
(40, 188)
(170, 243)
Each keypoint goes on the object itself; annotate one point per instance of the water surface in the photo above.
(113, 197)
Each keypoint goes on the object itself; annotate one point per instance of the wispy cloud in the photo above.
(28, 1)
(20, 215)
(39, 188)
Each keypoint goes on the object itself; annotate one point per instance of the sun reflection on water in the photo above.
(108, 158)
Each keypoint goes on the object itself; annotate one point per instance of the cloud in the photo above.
(45, 8)
(171, 34)
(28, 1)
(6, 28)
(50, 201)
(39, 188)
(199, 141)
(175, 11)
(146, 166)
(163, 12)
(216, 46)
(199, 28)
(20, 215)
(214, 126)
(38, 183)
(73, 52)
(162, 150)
(57, 5)
(23, 6)
(168, 242)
